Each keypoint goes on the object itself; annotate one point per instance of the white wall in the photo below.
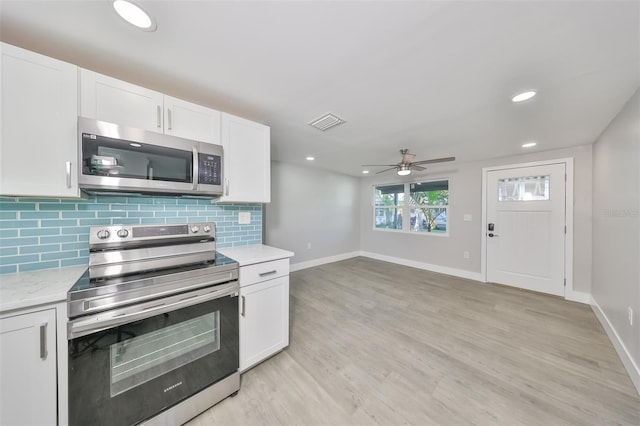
(465, 197)
(616, 230)
(312, 206)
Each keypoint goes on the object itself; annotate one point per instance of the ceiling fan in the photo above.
(407, 164)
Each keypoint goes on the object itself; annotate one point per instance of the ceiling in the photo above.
(432, 76)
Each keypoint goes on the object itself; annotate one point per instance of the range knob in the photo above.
(123, 233)
(103, 234)
(206, 228)
(195, 229)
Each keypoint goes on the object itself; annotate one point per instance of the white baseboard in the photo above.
(578, 296)
(621, 349)
(324, 260)
(426, 266)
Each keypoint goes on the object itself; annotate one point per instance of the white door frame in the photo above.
(568, 246)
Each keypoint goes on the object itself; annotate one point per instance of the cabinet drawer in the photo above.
(263, 271)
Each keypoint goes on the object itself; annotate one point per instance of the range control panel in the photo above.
(127, 233)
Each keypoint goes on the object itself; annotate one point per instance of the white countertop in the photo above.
(28, 289)
(248, 255)
(47, 286)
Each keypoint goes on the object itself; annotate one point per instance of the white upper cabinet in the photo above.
(108, 99)
(247, 160)
(39, 110)
(190, 121)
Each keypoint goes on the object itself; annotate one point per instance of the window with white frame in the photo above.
(416, 207)
(388, 206)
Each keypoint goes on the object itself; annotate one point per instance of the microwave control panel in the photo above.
(209, 169)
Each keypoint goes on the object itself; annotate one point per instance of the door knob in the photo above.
(491, 235)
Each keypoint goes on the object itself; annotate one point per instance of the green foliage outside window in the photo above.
(427, 206)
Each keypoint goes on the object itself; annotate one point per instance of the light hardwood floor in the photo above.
(378, 343)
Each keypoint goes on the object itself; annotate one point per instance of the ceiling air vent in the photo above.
(325, 122)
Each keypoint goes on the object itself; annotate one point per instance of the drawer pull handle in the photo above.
(242, 308)
(264, 274)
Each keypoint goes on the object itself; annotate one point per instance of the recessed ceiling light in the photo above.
(365, 172)
(521, 97)
(134, 15)
(529, 144)
(310, 158)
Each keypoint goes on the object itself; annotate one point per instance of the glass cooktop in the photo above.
(84, 283)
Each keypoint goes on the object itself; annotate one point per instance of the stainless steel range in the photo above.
(153, 326)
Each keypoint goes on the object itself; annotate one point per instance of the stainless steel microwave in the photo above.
(114, 158)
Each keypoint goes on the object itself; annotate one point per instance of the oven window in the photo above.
(140, 359)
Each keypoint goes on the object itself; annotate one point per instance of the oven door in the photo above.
(127, 373)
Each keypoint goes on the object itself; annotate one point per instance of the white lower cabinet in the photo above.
(264, 315)
(28, 394)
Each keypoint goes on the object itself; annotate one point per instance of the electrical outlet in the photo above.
(466, 255)
(630, 313)
(308, 246)
(244, 218)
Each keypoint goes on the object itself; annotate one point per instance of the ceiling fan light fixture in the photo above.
(404, 170)
(524, 96)
(134, 15)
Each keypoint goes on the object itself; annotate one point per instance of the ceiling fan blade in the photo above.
(378, 165)
(418, 168)
(435, 160)
(386, 170)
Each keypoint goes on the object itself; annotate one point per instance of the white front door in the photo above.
(526, 227)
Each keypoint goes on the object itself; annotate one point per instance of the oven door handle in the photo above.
(105, 320)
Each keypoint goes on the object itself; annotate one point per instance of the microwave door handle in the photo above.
(196, 167)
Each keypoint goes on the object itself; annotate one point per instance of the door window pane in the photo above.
(529, 188)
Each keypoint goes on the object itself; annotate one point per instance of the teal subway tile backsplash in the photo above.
(41, 233)
(38, 265)
(8, 269)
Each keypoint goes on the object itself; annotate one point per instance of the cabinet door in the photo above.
(247, 160)
(187, 120)
(264, 320)
(39, 112)
(116, 101)
(28, 365)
